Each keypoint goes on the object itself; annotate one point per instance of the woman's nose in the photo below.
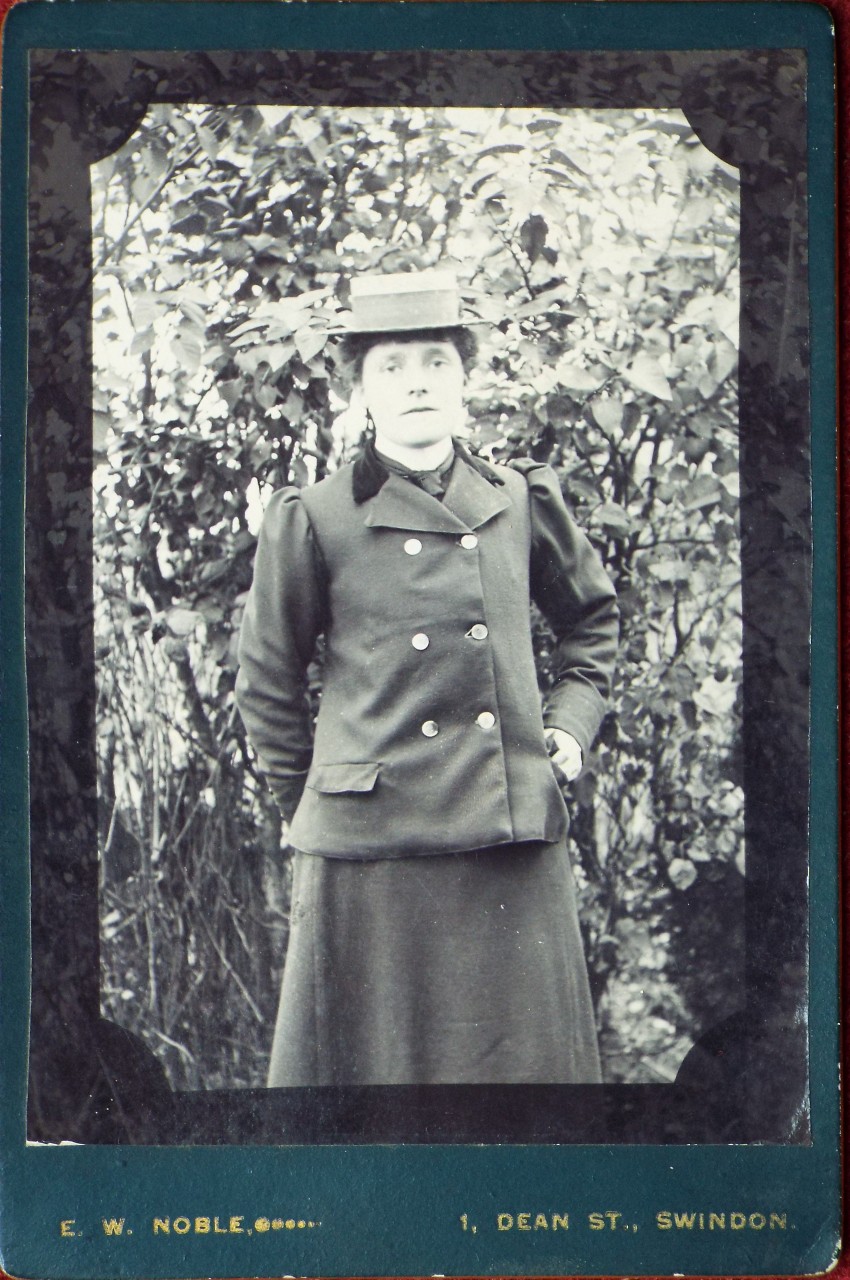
(417, 382)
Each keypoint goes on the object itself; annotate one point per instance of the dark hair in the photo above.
(354, 346)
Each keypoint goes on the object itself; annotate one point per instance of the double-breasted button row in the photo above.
(478, 631)
(421, 641)
(413, 546)
(485, 720)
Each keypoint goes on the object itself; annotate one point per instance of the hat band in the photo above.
(385, 313)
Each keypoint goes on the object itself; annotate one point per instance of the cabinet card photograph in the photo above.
(419, 442)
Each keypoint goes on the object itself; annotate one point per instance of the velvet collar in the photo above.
(369, 474)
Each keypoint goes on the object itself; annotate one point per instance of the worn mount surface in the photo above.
(713, 1175)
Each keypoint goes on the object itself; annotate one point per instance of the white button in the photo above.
(430, 728)
(420, 641)
(486, 720)
(469, 542)
(413, 546)
(479, 631)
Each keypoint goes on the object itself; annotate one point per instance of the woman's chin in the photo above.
(426, 441)
(419, 435)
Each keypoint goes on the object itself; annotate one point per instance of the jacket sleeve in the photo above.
(577, 598)
(284, 616)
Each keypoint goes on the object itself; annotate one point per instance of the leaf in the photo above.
(630, 161)
(501, 148)
(173, 273)
(148, 307)
(583, 490)
(156, 160)
(612, 516)
(724, 359)
(230, 391)
(562, 158)
(211, 353)
(143, 188)
(716, 697)
(309, 343)
(713, 311)
(732, 484)
(283, 353)
(575, 378)
(646, 374)
(181, 622)
(694, 251)
(681, 130)
(298, 473)
(682, 873)
(671, 571)
(540, 304)
(142, 342)
(701, 492)
(727, 312)
(259, 243)
(266, 395)
(249, 326)
(541, 122)
(187, 349)
(274, 116)
(194, 225)
(274, 354)
(213, 570)
(308, 130)
(193, 312)
(532, 236)
(209, 142)
(233, 251)
(101, 424)
(609, 414)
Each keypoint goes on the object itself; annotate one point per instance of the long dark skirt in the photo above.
(460, 968)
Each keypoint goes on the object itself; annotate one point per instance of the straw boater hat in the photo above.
(405, 301)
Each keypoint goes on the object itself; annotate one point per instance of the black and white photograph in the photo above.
(431, 596)
(437, 938)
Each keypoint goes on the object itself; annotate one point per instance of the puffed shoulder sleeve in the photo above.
(284, 616)
(577, 598)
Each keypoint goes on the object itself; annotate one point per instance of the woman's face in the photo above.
(414, 391)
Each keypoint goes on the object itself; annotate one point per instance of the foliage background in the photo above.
(603, 247)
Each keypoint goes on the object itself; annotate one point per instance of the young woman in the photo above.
(434, 935)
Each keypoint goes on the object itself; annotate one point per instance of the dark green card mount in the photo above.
(731, 1169)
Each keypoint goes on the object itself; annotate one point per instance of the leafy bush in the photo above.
(602, 247)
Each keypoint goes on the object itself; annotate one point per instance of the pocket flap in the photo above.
(333, 779)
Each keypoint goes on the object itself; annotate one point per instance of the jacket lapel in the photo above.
(470, 501)
(398, 504)
(472, 497)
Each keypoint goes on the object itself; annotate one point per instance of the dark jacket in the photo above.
(430, 736)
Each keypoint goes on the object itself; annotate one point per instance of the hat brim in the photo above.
(361, 330)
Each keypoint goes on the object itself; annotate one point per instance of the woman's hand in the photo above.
(565, 753)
